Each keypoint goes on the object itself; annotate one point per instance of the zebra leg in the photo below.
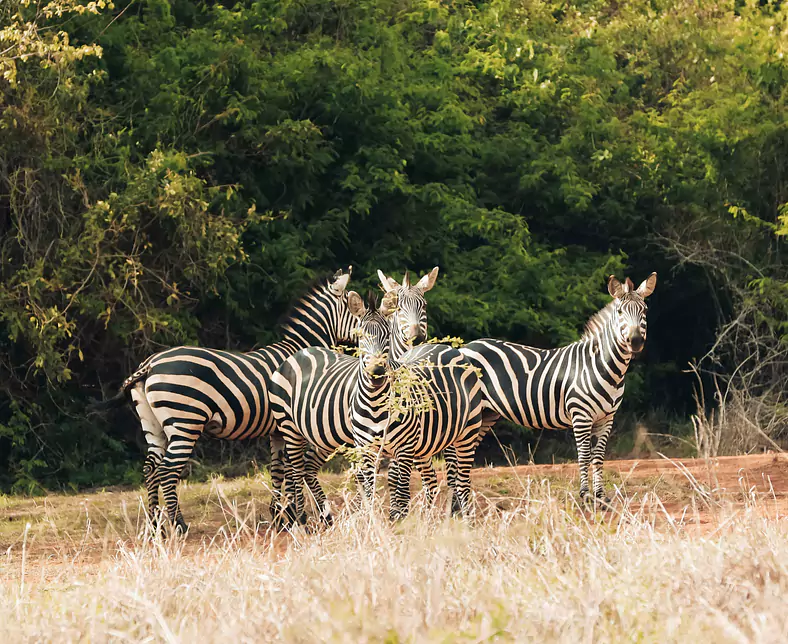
(393, 486)
(602, 433)
(294, 481)
(462, 484)
(365, 475)
(315, 459)
(179, 449)
(151, 471)
(156, 440)
(450, 454)
(429, 480)
(277, 471)
(401, 502)
(582, 431)
(486, 422)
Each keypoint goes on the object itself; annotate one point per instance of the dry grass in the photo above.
(541, 570)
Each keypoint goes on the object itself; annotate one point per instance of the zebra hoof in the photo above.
(181, 527)
(281, 518)
(279, 523)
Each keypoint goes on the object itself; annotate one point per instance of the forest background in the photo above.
(175, 171)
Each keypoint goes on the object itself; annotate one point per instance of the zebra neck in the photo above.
(611, 355)
(302, 336)
(279, 351)
(300, 331)
(310, 324)
(371, 400)
(397, 346)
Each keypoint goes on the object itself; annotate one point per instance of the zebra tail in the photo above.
(119, 399)
(100, 406)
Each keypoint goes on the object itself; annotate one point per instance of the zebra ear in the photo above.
(355, 304)
(406, 280)
(387, 283)
(428, 281)
(389, 304)
(340, 281)
(647, 286)
(614, 287)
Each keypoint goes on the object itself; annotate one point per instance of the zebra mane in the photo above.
(306, 292)
(597, 321)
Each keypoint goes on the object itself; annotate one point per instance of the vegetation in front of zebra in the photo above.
(535, 567)
(175, 171)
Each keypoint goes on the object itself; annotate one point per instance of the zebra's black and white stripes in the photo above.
(317, 386)
(452, 415)
(314, 393)
(579, 386)
(181, 393)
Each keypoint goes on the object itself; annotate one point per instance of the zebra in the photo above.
(321, 400)
(578, 386)
(452, 422)
(411, 323)
(181, 393)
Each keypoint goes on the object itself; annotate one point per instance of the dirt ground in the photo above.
(696, 497)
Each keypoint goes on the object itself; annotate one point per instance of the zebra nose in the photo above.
(415, 334)
(379, 370)
(376, 367)
(637, 342)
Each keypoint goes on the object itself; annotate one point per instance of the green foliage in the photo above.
(173, 171)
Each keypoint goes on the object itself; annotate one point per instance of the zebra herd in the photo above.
(312, 399)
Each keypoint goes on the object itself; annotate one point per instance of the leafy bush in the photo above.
(173, 171)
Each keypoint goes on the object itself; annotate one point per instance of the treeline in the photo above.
(173, 171)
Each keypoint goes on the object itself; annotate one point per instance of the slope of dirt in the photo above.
(724, 474)
(695, 495)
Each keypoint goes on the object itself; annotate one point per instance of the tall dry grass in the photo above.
(541, 571)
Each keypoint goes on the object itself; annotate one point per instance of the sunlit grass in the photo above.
(534, 565)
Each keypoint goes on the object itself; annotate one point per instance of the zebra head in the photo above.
(630, 309)
(373, 331)
(344, 324)
(410, 317)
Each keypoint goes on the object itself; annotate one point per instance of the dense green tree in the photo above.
(175, 170)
